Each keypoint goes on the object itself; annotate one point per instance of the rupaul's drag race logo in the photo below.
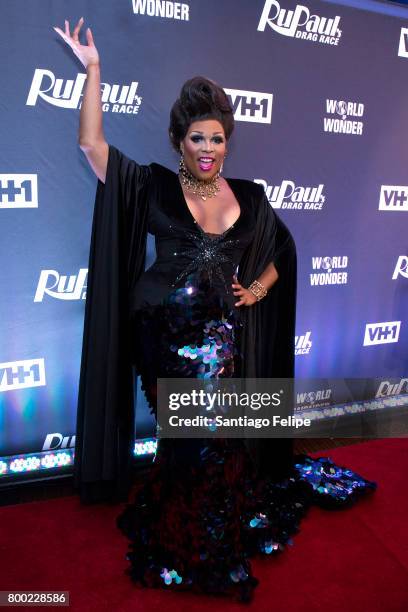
(18, 191)
(389, 389)
(332, 270)
(60, 286)
(303, 344)
(56, 441)
(401, 267)
(344, 120)
(292, 197)
(67, 93)
(22, 374)
(162, 8)
(299, 23)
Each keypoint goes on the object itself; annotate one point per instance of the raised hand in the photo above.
(87, 54)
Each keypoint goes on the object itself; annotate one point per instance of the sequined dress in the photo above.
(204, 511)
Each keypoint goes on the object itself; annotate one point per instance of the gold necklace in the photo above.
(204, 189)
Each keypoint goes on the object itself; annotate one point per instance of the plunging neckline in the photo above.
(196, 222)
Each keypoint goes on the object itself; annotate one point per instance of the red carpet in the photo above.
(352, 560)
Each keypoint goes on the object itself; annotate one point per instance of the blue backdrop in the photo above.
(320, 93)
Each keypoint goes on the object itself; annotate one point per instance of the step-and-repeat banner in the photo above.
(320, 97)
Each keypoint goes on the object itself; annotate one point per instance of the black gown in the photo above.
(207, 505)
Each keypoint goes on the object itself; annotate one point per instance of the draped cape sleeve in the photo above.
(268, 341)
(105, 413)
(268, 336)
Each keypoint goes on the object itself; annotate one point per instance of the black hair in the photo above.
(199, 99)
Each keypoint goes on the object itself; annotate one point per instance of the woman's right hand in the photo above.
(87, 54)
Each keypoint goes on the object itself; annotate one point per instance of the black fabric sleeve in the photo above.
(268, 341)
(105, 414)
(268, 334)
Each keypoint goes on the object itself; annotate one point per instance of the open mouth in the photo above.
(206, 163)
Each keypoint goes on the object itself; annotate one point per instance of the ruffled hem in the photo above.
(197, 531)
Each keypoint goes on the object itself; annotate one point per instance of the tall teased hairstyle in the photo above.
(199, 99)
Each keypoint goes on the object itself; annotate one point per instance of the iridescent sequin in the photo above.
(169, 576)
(269, 547)
(216, 352)
(260, 520)
(330, 482)
(238, 574)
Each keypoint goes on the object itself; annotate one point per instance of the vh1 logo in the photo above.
(381, 333)
(403, 43)
(251, 106)
(18, 191)
(393, 197)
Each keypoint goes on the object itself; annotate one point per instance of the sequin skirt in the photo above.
(193, 333)
(203, 510)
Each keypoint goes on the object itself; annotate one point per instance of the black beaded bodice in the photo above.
(185, 252)
(209, 254)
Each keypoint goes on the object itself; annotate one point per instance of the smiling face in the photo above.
(204, 148)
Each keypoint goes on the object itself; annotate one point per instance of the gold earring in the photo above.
(222, 164)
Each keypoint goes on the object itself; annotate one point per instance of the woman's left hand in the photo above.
(247, 298)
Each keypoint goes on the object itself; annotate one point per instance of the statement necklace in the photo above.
(204, 189)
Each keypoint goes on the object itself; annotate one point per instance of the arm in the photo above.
(91, 138)
(269, 276)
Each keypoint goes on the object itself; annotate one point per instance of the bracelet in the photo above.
(258, 290)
